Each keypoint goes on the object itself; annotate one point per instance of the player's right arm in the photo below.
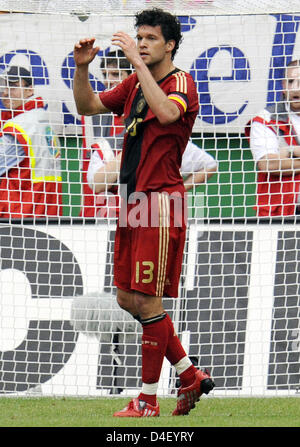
(87, 102)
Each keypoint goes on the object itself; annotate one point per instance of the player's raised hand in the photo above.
(128, 45)
(84, 51)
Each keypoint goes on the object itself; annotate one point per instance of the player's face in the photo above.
(152, 46)
(291, 87)
(15, 94)
(113, 76)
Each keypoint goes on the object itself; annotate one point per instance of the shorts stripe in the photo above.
(166, 229)
(159, 246)
(163, 242)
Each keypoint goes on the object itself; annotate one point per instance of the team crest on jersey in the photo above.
(140, 105)
(52, 142)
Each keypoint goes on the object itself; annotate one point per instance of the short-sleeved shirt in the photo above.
(274, 128)
(263, 141)
(152, 153)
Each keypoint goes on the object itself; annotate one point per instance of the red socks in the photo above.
(159, 340)
(177, 355)
(154, 344)
(174, 351)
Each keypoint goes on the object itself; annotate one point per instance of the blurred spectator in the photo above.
(30, 182)
(275, 144)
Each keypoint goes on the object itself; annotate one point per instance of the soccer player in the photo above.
(160, 105)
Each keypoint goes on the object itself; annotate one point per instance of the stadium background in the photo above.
(231, 192)
(223, 255)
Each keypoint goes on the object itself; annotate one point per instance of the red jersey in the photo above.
(152, 153)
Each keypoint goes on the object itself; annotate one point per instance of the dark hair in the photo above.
(294, 63)
(169, 24)
(15, 73)
(117, 59)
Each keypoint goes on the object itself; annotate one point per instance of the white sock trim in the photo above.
(182, 365)
(149, 388)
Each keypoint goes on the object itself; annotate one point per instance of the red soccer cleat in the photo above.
(187, 397)
(137, 409)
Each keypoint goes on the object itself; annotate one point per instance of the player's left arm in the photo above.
(165, 110)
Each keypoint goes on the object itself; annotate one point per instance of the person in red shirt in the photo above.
(274, 138)
(160, 105)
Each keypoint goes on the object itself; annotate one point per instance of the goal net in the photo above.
(61, 331)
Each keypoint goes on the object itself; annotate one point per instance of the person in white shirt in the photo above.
(274, 136)
(30, 170)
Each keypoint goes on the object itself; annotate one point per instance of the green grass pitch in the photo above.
(97, 412)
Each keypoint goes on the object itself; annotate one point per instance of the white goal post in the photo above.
(61, 332)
